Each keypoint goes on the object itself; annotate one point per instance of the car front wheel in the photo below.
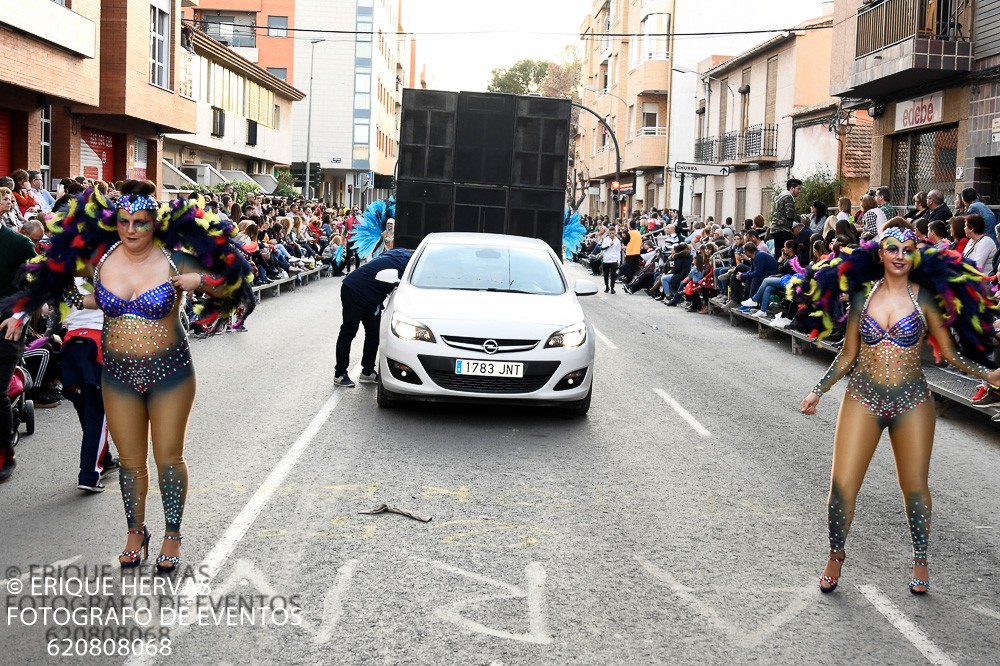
(383, 397)
(580, 407)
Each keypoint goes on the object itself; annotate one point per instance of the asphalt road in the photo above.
(633, 536)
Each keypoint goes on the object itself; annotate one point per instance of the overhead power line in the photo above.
(458, 33)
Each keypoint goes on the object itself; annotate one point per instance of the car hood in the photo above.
(429, 305)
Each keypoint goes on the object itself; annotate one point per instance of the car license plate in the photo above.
(488, 368)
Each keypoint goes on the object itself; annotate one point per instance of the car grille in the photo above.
(504, 345)
(441, 370)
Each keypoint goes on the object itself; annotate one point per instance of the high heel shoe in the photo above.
(163, 560)
(916, 582)
(133, 555)
(832, 581)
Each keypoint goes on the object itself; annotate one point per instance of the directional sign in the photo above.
(701, 169)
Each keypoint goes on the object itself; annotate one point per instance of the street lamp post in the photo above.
(614, 139)
(309, 118)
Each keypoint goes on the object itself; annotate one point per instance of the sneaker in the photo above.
(96, 488)
(343, 380)
(7, 463)
(112, 466)
(760, 314)
(986, 401)
(750, 303)
(45, 400)
(612, 290)
(744, 309)
(996, 418)
(368, 378)
(781, 323)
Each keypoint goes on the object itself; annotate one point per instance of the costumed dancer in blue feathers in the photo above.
(361, 295)
(573, 234)
(142, 258)
(899, 294)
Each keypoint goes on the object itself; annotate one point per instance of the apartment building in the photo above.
(927, 72)
(355, 58)
(626, 81)
(767, 115)
(244, 120)
(91, 87)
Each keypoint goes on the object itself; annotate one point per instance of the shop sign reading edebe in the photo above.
(921, 111)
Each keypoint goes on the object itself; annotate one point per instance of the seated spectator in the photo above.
(736, 258)
(872, 218)
(22, 193)
(937, 234)
(921, 227)
(38, 191)
(919, 210)
(704, 289)
(818, 213)
(681, 262)
(773, 285)
(958, 237)
(980, 249)
(9, 215)
(762, 265)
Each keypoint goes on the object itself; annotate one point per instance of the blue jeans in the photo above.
(768, 287)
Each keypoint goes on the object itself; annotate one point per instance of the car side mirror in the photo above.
(388, 276)
(584, 288)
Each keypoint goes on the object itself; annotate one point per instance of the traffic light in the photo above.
(615, 189)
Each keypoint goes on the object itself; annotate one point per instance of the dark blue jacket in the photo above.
(763, 265)
(363, 283)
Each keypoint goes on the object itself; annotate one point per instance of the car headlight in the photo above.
(405, 328)
(570, 337)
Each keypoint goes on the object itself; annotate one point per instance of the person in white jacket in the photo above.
(611, 248)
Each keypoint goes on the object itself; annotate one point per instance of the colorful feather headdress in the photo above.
(81, 232)
(969, 307)
(573, 233)
(367, 235)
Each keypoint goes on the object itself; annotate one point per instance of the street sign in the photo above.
(701, 169)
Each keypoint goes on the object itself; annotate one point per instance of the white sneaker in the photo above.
(784, 323)
(750, 303)
(762, 314)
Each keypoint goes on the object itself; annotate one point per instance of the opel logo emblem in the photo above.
(491, 347)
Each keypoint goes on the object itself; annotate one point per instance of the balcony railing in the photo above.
(651, 131)
(729, 147)
(884, 23)
(704, 150)
(760, 141)
(233, 34)
(756, 143)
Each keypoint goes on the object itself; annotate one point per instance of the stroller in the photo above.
(22, 410)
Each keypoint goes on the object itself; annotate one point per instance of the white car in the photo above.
(486, 316)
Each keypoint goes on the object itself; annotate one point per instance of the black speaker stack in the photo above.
(481, 162)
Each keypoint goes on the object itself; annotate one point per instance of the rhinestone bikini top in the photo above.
(155, 303)
(906, 332)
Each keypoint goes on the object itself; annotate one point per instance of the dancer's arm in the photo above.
(945, 343)
(192, 276)
(845, 360)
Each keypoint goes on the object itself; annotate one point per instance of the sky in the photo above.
(475, 36)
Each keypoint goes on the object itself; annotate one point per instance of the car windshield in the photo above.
(487, 268)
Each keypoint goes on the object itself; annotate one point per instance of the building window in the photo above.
(277, 117)
(924, 161)
(654, 37)
(718, 204)
(741, 208)
(45, 145)
(363, 83)
(159, 43)
(277, 26)
(650, 117)
(362, 101)
(280, 72)
(361, 132)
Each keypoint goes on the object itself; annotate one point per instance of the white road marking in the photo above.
(987, 612)
(605, 339)
(683, 413)
(738, 634)
(535, 594)
(217, 557)
(333, 604)
(910, 631)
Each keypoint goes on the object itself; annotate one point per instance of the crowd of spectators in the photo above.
(747, 267)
